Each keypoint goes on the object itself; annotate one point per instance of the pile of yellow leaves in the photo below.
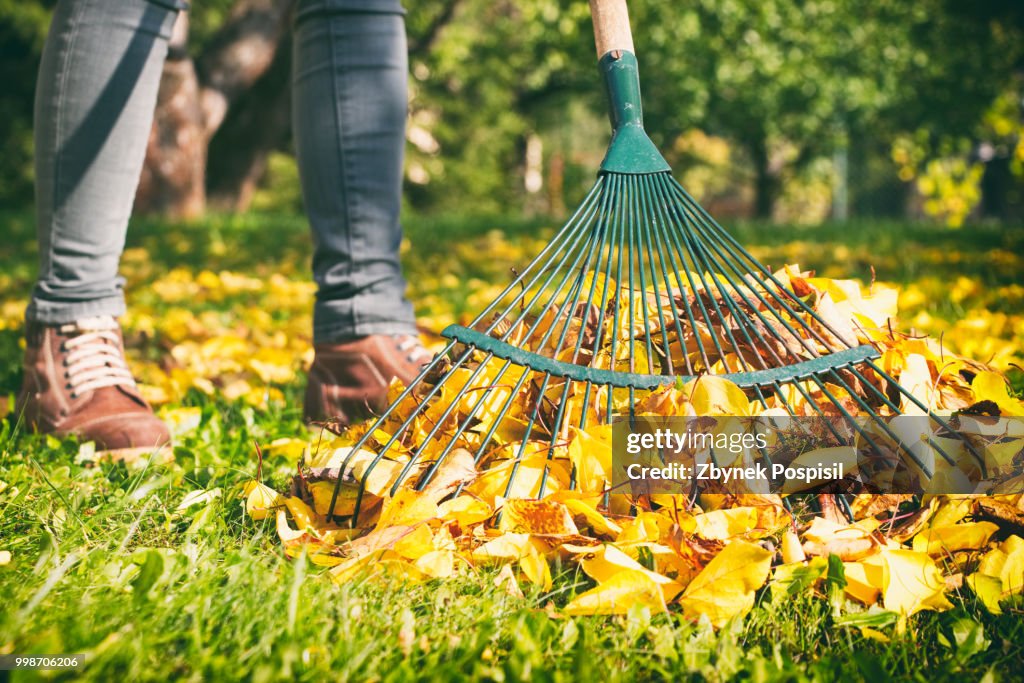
(514, 507)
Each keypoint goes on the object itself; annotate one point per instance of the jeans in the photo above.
(96, 93)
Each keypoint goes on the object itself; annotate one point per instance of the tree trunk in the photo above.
(195, 99)
(767, 184)
(173, 178)
(996, 186)
(258, 124)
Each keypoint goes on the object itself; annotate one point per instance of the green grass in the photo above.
(104, 563)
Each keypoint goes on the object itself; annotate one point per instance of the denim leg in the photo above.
(349, 110)
(94, 104)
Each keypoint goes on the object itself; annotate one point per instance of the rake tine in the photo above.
(687, 243)
(526, 439)
(556, 428)
(452, 405)
(387, 412)
(635, 235)
(640, 189)
(570, 228)
(702, 265)
(891, 405)
(686, 303)
(429, 473)
(665, 255)
(782, 301)
(724, 237)
(942, 423)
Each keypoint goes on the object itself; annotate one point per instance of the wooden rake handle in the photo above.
(611, 26)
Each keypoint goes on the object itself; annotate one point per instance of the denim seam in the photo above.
(338, 104)
(59, 133)
(332, 333)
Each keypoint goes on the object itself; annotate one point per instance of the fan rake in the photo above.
(639, 290)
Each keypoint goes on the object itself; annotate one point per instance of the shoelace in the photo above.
(414, 350)
(94, 359)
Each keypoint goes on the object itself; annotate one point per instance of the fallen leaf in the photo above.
(536, 517)
(618, 595)
(260, 499)
(948, 539)
(725, 587)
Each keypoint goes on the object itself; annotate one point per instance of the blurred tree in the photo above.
(783, 82)
(22, 33)
(196, 95)
(789, 81)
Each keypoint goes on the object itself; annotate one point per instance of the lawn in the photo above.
(150, 579)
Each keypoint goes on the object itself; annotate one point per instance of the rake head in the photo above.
(640, 292)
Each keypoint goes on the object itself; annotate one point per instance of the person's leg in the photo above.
(349, 109)
(350, 90)
(95, 96)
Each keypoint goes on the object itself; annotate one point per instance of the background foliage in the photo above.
(796, 109)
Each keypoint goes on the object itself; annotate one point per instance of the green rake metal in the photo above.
(641, 288)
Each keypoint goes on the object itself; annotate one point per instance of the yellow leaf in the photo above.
(353, 567)
(646, 527)
(273, 366)
(536, 568)
(712, 395)
(725, 587)
(598, 522)
(989, 590)
(537, 517)
(345, 505)
(1012, 571)
(991, 386)
(416, 543)
(590, 451)
(864, 580)
(289, 448)
(437, 564)
(751, 521)
(406, 507)
(948, 510)
(260, 499)
(916, 378)
(912, 582)
(302, 514)
(379, 476)
(618, 594)
(601, 563)
(494, 482)
(457, 469)
(791, 550)
(465, 510)
(874, 634)
(947, 539)
(826, 537)
(182, 420)
(505, 547)
(288, 535)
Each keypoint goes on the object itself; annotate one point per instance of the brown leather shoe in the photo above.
(77, 382)
(348, 381)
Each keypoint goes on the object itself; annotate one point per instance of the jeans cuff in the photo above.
(335, 333)
(62, 312)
